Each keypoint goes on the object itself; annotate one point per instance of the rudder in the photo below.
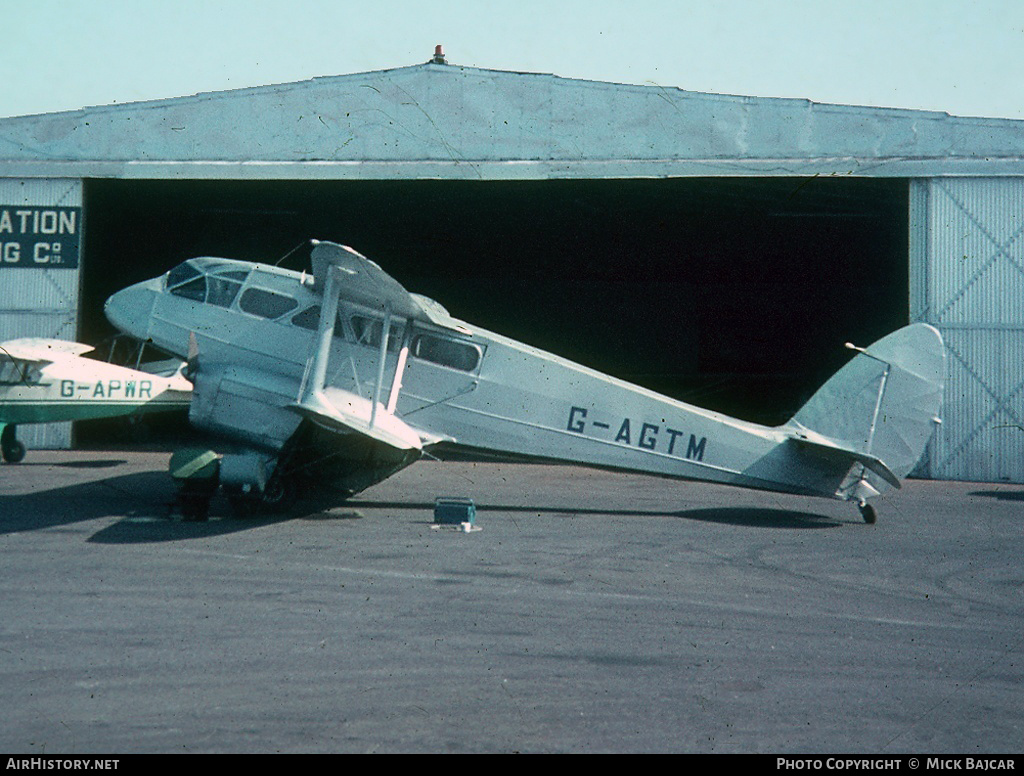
(884, 403)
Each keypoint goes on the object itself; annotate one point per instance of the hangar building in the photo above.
(719, 249)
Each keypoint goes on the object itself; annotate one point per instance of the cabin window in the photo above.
(369, 331)
(446, 352)
(308, 318)
(14, 372)
(266, 304)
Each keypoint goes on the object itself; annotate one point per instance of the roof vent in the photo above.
(438, 58)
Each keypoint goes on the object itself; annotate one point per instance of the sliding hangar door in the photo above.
(967, 279)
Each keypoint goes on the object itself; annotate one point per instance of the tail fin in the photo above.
(880, 409)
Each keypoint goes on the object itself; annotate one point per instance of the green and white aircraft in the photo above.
(340, 377)
(50, 380)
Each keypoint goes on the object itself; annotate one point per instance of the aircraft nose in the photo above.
(129, 310)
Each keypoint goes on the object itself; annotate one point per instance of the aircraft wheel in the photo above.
(14, 452)
(242, 504)
(278, 495)
(195, 507)
(868, 513)
(194, 512)
(11, 449)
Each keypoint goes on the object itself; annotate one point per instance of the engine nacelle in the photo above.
(245, 471)
(245, 405)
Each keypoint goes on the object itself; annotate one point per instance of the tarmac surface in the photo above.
(592, 612)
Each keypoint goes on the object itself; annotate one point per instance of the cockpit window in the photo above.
(234, 274)
(266, 304)
(181, 274)
(193, 289)
(219, 288)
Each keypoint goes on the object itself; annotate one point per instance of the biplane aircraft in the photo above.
(50, 380)
(340, 377)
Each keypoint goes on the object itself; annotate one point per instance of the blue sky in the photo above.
(965, 58)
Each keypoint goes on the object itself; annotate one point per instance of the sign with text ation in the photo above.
(40, 236)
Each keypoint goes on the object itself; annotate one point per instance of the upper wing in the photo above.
(365, 283)
(40, 349)
(21, 360)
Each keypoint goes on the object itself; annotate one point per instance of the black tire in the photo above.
(242, 505)
(11, 449)
(14, 452)
(194, 508)
(278, 497)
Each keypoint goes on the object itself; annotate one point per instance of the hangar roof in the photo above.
(446, 121)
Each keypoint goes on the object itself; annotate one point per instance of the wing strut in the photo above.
(384, 337)
(342, 409)
(315, 377)
(396, 378)
(403, 356)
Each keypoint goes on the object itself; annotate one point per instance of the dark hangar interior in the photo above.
(735, 294)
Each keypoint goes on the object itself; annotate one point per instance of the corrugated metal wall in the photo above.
(967, 279)
(39, 296)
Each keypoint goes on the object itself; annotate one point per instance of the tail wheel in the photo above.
(867, 512)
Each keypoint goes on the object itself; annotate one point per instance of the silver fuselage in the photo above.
(477, 389)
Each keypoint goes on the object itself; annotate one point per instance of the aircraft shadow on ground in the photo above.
(1000, 495)
(107, 463)
(753, 517)
(761, 517)
(143, 505)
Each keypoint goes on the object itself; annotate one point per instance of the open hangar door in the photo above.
(735, 294)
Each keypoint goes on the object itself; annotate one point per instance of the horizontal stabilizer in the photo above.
(345, 411)
(829, 449)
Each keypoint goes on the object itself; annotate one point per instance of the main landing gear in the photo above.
(277, 498)
(201, 473)
(11, 449)
(867, 512)
(195, 471)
